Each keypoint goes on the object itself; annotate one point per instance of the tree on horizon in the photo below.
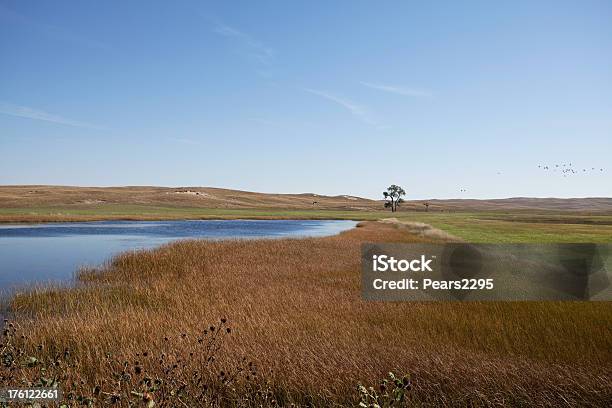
(393, 196)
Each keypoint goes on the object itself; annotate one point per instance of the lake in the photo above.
(52, 252)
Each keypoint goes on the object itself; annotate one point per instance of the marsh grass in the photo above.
(168, 376)
(297, 314)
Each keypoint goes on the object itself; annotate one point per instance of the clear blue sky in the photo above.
(339, 97)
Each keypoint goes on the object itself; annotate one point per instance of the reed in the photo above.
(296, 314)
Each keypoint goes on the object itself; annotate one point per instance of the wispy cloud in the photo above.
(253, 48)
(286, 124)
(399, 90)
(48, 30)
(184, 140)
(37, 114)
(267, 122)
(356, 110)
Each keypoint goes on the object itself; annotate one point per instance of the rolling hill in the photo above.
(28, 196)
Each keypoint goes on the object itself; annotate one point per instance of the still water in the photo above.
(52, 252)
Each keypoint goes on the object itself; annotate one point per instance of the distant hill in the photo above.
(208, 197)
(591, 204)
(205, 197)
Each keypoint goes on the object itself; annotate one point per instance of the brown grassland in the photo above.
(296, 313)
(31, 203)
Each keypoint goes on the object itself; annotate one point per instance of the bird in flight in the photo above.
(566, 169)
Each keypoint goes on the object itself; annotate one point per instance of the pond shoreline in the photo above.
(75, 219)
(34, 253)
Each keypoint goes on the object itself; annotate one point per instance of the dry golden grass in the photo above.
(177, 197)
(296, 310)
(31, 203)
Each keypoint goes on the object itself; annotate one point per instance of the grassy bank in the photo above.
(296, 313)
(517, 227)
(510, 226)
(157, 213)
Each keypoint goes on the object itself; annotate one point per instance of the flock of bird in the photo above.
(566, 169)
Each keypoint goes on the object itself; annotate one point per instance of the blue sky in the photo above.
(327, 97)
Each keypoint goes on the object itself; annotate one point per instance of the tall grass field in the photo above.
(282, 323)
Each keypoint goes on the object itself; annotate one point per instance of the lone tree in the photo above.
(393, 197)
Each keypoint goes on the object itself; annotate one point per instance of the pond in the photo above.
(53, 252)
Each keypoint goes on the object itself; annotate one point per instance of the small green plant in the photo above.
(392, 392)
